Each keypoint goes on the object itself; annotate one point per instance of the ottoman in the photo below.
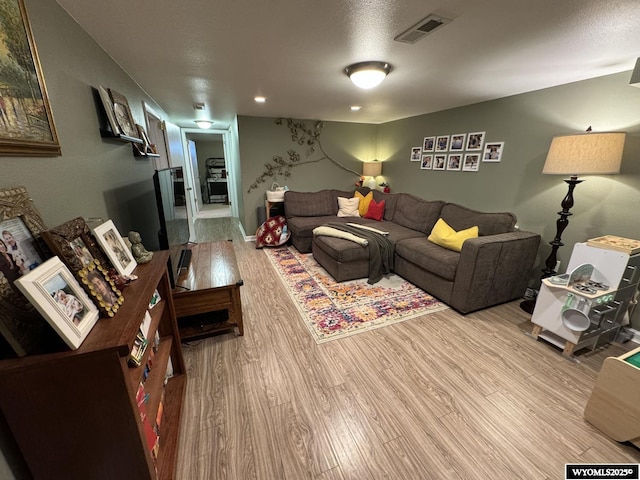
(343, 259)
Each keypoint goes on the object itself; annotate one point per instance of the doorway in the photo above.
(210, 169)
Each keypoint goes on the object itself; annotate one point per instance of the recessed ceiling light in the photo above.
(260, 99)
(355, 108)
(204, 124)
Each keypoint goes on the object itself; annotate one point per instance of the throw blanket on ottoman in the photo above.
(381, 249)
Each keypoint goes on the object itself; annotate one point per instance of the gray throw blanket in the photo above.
(381, 250)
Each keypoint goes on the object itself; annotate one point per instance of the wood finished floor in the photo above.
(442, 396)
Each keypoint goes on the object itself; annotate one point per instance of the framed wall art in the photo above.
(427, 161)
(107, 104)
(429, 144)
(26, 121)
(457, 142)
(442, 143)
(416, 153)
(60, 299)
(20, 323)
(493, 152)
(475, 141)
(471, 162)
(113, 246)
(122, 114)
(439, 162)
(454, 162)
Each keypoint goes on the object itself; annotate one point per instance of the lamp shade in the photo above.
(372, 169)
(586, 153)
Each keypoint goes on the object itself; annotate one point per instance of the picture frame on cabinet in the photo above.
(74, 244)
(457, 142)
(56, 294)
(101, 288)
(493, 152)
(427, 161)
(416, 154)
(475, 141)
(26, 120)
(471, 162)
(454, 162)
(115, 249)
(439, 162)
(442, 143)
(20, 323)
(429, 144)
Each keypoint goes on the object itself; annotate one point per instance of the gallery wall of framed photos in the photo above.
(456, 152)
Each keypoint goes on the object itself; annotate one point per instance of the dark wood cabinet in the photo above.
(74, 414)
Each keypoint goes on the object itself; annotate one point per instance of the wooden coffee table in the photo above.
(210, 284)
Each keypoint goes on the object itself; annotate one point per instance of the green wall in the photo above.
(527, 123)
(94, 177)
(261, 139)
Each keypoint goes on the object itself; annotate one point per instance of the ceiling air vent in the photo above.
(422, 28)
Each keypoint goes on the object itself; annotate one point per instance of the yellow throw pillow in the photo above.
(364, 202)
(445, 236)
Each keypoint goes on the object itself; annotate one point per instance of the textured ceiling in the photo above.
(293, 52)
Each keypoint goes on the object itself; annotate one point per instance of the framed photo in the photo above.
(493, 152)
(457, 141)
(74, 244)
(26, 121)
(475, 141)
(416, 153)
(101, 288)
(122, 114)
(427, 161)
(114, 247)
(429, 144)
(59, 298)
(471, 162)
(20, 323)
(454, 162)
(439, 162)
(107, 103)
(442, 143)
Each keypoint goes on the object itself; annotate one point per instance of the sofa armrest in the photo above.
(493, 269)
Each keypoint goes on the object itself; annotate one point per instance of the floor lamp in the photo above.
(581, 154)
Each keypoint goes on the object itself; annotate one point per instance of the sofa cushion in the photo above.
(416, 213)
(461, 218)
(445, 236)
(429, 256)
(348, 207)
(310, 204)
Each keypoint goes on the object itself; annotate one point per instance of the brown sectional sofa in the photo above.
(491, 269)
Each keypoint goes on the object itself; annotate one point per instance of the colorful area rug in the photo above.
(333, 310)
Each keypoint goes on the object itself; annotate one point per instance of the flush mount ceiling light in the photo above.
(204, 124)
(367, 74)
(260, 99)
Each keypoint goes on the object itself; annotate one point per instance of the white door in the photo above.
(195, 176)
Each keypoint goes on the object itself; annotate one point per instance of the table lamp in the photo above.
(372, 170)
(581, 154)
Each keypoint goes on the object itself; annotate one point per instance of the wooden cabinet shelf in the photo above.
(74, 414)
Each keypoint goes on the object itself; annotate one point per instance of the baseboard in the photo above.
(251, 238)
